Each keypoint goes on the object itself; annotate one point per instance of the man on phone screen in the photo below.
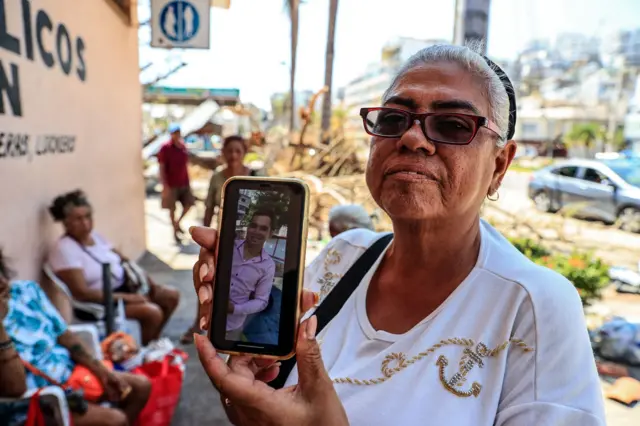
(173, 158)
(252, 274)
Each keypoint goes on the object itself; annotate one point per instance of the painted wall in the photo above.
(69, 118)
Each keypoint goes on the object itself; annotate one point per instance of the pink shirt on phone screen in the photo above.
(251, 282)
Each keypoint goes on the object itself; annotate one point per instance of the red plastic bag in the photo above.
(34, 415)
(166, 385)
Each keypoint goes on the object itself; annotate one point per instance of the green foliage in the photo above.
(584, 135)
(587, 273)
(530, 248)
(274, 201)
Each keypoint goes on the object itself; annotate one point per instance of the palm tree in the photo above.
(584, 136)
(293, 9)
(328, 72)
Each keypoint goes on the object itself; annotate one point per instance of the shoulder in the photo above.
(546, 315)
(65, 244)
(99, 239)
(350, 245)
(358, 239)
(547, 290)
(337, 257)
(164, 149)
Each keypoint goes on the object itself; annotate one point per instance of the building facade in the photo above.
(70, 114)
(632, 121)
(622, 47)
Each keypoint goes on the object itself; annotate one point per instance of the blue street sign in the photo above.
(179, 21)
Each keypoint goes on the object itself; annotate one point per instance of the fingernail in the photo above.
(203, 294)
(196, 336)
(312, 325)
(204, 270)
(316, 298)
(277, 364)
(191, 228)
(203, 323)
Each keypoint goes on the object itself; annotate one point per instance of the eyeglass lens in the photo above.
(448, 128)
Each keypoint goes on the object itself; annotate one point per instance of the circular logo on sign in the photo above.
(179, 21)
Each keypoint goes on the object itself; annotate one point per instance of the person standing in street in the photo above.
(173, 158)
(229, 164)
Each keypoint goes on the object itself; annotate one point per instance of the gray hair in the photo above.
(350, 216)
(470, 58)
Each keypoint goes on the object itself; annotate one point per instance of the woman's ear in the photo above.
(504, 157)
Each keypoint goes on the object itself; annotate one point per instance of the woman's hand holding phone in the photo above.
(204, 273)
(241, 381)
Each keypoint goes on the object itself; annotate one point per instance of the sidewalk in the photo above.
(169, 264)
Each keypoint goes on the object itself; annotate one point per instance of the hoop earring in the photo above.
(493, 197)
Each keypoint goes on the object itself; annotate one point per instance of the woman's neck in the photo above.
(86, 240)
(444, 252)
(236, 170)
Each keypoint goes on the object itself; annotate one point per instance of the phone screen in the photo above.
(258, 275)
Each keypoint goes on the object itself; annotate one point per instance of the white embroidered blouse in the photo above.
(509, 347)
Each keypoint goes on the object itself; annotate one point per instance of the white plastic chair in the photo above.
(55, 397)
(121, 322)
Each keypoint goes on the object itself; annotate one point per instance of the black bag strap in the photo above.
(334, 301)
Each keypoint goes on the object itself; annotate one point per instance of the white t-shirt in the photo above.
(537, 368)
(68, 254)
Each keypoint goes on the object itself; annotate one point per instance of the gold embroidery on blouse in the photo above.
(468, 361)
(396, 362)
(333, 257)
(328, 280)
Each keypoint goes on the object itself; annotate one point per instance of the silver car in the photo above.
(603, 190)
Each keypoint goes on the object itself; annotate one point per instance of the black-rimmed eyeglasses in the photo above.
(441, 127)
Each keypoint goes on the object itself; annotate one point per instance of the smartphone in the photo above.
(260, 266)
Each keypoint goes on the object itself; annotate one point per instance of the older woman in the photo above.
(449, 324)
(77, 259)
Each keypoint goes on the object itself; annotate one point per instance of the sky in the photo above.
(250, 42)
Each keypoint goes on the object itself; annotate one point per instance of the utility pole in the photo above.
(328, 74)
(471, 22)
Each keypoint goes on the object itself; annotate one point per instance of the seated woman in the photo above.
(77, 260)
(32, 330)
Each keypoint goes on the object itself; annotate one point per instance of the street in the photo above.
(591, 235)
